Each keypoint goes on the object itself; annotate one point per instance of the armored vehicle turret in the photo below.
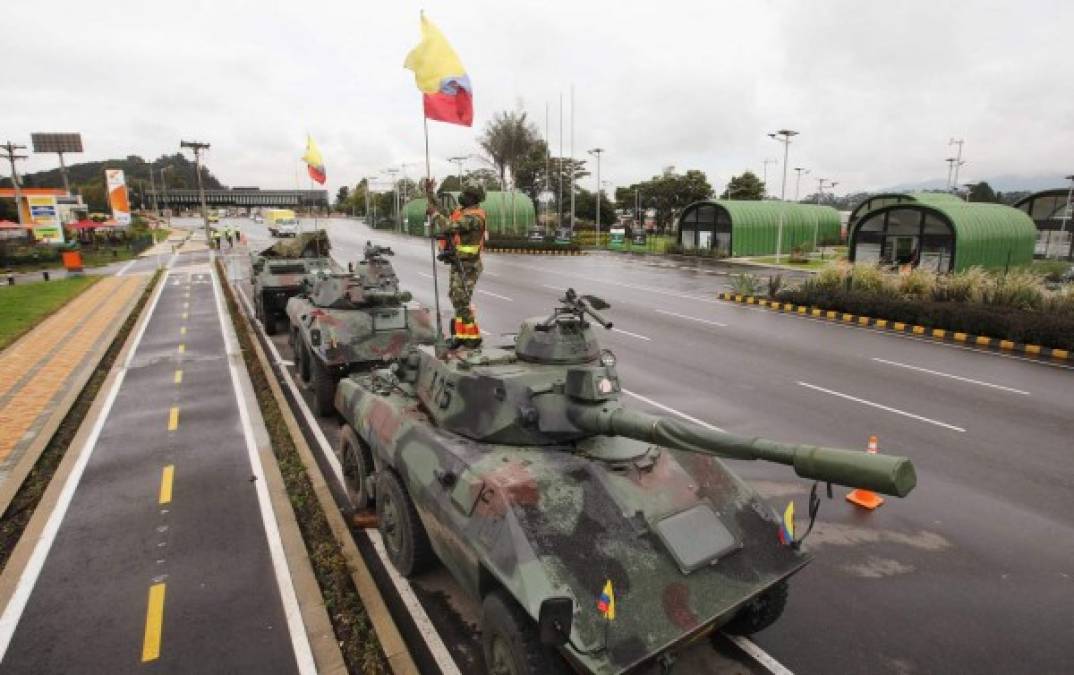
(349, 321)
(281, 270)
(522, 470)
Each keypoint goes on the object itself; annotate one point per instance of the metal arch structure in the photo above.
(239, 197)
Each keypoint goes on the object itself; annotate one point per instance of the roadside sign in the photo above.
(117, 196)
(45, 219)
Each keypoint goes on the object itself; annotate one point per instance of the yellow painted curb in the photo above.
(1060, 354)
(1006, 344)
(960, 337)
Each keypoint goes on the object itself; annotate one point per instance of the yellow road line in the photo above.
(182, 330)
(154, 623)
(178, 377)
(185, 316)
(173, 418)
(182, 348)
(166, 484)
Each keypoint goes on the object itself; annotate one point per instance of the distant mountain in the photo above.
(1004, 183)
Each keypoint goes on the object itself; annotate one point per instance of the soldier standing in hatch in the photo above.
(464, 233)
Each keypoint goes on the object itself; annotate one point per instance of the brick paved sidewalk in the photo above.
(44, 366)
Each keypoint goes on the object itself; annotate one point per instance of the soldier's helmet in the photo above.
(472, 194)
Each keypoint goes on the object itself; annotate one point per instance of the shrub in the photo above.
(1021, 289)
(971, 285)
(798, 255)
(1060, 301)
(1051, 270)
(744, 284)
(832, 277)
(917, 283)
(775, 283)
(871, 279)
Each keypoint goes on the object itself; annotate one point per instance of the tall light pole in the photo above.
(197, 148)
(1066, 219)
(816, 221)
(395, 196)
(958, 158)
(784, 137)
(764, 180)
(164, 191)
(950, 169)
(798, 182)
(596, 152)
(458, 160)
(9, 152)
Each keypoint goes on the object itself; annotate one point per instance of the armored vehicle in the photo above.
(280, 270)
(352, 320)
(591, 533)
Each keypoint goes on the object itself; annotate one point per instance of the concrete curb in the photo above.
(527, 251)
(391, 640)
(934, 334)
(85, 371)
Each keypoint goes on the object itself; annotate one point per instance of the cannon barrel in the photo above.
(887, 474)
(379, 296)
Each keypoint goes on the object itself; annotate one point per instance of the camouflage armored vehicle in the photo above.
(352, 320)
(280, 270)
(591, 533)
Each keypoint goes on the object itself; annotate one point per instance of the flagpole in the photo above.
(440, 346)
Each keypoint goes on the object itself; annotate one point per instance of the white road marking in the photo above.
(311, 420)
(661, 406)
(123, 270)
(423, 274)
(883, 407)
(9, 620)
(661, 291)
(762, 657)
(953, 377)
(495, 295)
(299, 640)
(693, 318)
(634, 335)
(417, 612)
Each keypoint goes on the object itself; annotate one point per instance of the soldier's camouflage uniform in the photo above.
(466, 227)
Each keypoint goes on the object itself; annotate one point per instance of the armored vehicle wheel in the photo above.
(510, 641)
(357, 468)
(323, 382)
(760, 612)
(302, 363)
(404, 536)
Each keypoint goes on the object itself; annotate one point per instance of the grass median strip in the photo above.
(25, 305)
(354, 632)
(22, 506)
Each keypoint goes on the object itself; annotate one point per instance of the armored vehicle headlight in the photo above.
(607, 358)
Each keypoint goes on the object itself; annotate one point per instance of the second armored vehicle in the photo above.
(591, 533)
(348, 321)
(280, 271)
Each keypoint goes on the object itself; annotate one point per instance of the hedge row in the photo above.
(528, 245)
(1017, 325)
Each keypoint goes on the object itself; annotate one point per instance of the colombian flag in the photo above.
(786, 528)
(314, 161)
(606, 601)
(443, 81)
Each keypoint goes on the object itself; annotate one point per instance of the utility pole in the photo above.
(559, 161)
(152, 191)
(816, 221)
(950, 169)
(958, 158)
(573, 172)
(798, 183)
(164, 189)
(784, 137)
(596, 152)
(395, 196)
(197, 148)
(764, 180)
(10, 150)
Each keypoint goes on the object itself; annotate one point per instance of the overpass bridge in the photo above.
(238, 197)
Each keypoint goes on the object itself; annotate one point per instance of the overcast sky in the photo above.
(876, 90)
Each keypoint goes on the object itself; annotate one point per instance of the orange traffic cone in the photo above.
(867, 499)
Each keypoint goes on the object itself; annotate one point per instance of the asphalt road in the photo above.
(166, 505)
(974, 572)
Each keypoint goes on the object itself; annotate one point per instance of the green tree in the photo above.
(983, 192)
(745, 187)
(585, 207)
(486, 177)
(343, 198)
(507, 138)
(668, 193)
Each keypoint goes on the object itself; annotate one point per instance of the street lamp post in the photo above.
(816, 221)
(596, 152)
(197, 148)
(798, 182)
(958, 158)
(764, 180)
(395, 197)
(458, 160)
(784, 137)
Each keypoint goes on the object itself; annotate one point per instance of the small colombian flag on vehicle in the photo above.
(786, 528)
(606, 601)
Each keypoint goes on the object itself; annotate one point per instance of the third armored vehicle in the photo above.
(280, 271)
(348, 321)
(591, 533)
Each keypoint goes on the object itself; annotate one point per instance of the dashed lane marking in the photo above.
(182, 348)
(950, 376)
(633, 335)
(178, 377)
(182, 330)
(495, 295)
(671, 410)
(759, 655)
(880, 406)
(173, 418)
(693, 318)
(154, 623)
(166, 477)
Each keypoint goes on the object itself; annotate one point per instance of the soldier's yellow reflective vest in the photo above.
(469, 249)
